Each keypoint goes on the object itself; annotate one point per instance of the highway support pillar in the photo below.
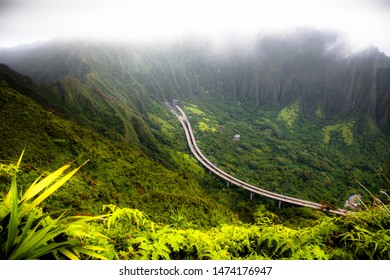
(251, 195)
(279, 203)
(227, 184)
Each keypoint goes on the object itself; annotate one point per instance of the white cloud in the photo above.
(363, 21)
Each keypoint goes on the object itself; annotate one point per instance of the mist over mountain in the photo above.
(274, 71)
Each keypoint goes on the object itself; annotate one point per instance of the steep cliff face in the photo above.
(271, 72)
(278, 72)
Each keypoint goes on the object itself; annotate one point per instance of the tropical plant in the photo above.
(28, 233)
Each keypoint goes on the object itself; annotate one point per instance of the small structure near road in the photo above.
(237, 137)
(354, 201)
(175, 103)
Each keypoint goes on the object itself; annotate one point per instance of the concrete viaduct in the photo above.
(237, 182)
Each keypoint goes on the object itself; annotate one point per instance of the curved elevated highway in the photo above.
(235, 181)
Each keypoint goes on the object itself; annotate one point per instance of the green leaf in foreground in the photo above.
(29, 234)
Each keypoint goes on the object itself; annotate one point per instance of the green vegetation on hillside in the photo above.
(193, 109)
(289, 114)
(345, 129)
(124, 233)
(298, 157)
(116, 173)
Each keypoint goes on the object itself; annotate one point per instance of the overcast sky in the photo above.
(364, 22)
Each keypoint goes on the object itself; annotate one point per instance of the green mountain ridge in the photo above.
(115, 174)
(266, 72)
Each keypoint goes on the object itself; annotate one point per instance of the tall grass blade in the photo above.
(50, 190)
(27, 227)
(20, 160)
(365, 188)
(47, 249)
(68, 254)
(381, 204)
(8, 198)
(35, 188)
(91, 253)
(35, 239)
(14, 218)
